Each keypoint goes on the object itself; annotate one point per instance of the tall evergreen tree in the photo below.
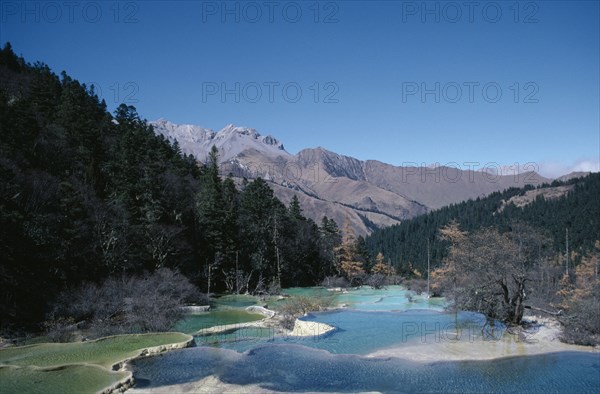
(295, 209)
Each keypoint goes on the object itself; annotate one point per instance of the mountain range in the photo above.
(368, 194)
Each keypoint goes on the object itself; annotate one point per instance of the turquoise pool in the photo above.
(192, 323)
(371, 320)
(298, 368)
(391, 298)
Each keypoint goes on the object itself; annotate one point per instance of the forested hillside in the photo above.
(405, 245)
(86, 195)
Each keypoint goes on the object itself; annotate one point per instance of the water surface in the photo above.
(371, 320)
(193, 322)
(298, 368)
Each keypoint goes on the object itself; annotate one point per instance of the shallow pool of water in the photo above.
(372, 320)
(235, 301)
(361, 333)
(194, 322)
(366, 323)
(298, 368)
(307, 291)
(227, 338)
(391, 298)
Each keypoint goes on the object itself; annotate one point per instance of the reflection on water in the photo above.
(298, 368)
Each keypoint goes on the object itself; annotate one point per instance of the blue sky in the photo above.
(396, 81)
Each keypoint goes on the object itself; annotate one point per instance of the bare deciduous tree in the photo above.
(490, 272)
(146, 303)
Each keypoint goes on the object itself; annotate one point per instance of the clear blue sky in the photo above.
(365, 64)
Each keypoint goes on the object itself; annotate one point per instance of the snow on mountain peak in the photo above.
(230, 129)
(252, 133)
(231, 140)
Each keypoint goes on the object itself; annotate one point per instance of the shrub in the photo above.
(582, 322)
(335, 281)
(395, 280)
(274, 288)
(419, 286)
(376, 281)
(298, 306)
(61, 330)
(128, 304)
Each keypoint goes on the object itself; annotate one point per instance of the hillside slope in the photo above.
(572, 205)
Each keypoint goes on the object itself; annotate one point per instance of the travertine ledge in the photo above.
(261, 310)
(304, 328)
(128, 381)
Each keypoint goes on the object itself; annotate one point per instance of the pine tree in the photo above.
(295, 209)
(211, 218)
(349, 264)
(257, 206)
(329, 240)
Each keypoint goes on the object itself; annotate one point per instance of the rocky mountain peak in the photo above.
(231, 140)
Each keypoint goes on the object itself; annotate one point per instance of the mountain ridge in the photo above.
(365, 193)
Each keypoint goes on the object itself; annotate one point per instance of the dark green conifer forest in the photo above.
(86, 195)
(405, 244)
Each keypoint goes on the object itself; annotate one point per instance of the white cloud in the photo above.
(554, 169)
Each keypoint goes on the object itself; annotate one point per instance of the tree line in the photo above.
(405, 244)
(503, 273)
